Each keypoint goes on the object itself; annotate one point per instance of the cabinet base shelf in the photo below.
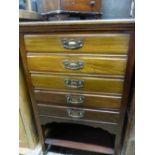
(79, 137)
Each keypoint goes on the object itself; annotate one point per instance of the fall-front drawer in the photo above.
(78, 113)
(85, 43)
(77, 64)
(94, 101)
(74, 83)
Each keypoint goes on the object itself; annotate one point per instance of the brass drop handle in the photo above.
(92, 3)
(75, 113)
(74, 99)
(72, 43)
(74, 83)
(73, 65)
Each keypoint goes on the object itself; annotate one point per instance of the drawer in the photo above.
(76, 113)
(74, 83)
(79, 43)
(77, 64)
(78, 99)
(81, 5)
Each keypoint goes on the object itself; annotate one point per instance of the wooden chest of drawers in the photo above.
(79, 71)
(48, 6)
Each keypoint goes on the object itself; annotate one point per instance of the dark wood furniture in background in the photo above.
(79, 72)
(63, 8)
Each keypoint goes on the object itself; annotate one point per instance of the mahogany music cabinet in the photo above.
(79, 72)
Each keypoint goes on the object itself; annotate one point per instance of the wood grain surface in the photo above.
(94, 115)
(80, 146)
(92, 43)
(91, 64)
(107, 85)
(81, 5)
(92, 101)
(108, 37)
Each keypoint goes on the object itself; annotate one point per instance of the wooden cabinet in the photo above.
(71, 5)
(80, 5)
(63, 9)
(79, 72)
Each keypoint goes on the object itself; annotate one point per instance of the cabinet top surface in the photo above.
(68, 26)
(80, 22)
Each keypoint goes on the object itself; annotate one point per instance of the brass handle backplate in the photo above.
(92, 2)
(75, 113)
(72, 43)
(74, 99)
(73, 65)
(74, 83)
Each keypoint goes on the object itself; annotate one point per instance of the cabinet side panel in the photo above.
(126, 91)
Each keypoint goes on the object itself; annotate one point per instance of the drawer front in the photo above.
(77, 43)
(65, 112)
(78, 100)
(77, 64)
(81, 5)
(75, 83)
